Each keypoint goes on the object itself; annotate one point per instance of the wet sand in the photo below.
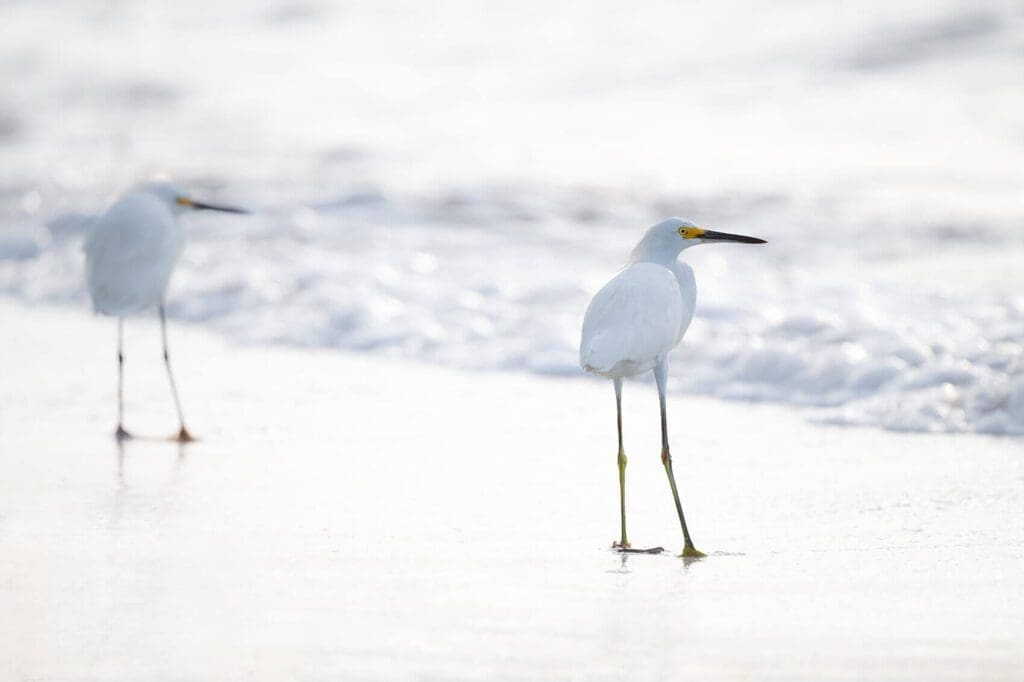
(352, 517)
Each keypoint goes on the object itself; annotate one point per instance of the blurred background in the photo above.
(451, 181)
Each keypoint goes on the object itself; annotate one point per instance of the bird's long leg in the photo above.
(183, 434)
(661, 376)
(120, 433)
(623, 541)
(623, 544)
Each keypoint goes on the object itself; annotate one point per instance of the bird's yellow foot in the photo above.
(121, 434)
(184, 436)
(691, 552)
(624, 544)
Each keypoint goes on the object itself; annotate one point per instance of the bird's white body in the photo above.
(637, 318)
(131, 252)
(634, 322)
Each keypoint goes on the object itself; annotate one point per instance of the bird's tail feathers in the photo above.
(598, 355)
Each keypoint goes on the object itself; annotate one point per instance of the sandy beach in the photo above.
(346, 516)
(402, 473)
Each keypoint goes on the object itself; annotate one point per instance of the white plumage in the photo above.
(634, 322)
(130, 254)
(635, 319)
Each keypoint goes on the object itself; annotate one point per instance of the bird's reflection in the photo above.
(126, 493)
(623, 566)
(121, 445)
(691, 560)
(120, 462)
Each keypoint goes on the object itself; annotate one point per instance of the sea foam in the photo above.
(499, 278)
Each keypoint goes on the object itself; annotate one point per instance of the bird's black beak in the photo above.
(200, 206)
(712, 236)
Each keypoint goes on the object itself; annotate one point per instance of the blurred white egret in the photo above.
(636, 319)
(130, 254)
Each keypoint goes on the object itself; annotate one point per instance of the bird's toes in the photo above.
(647, 550)
(183, 436)
(121, 434)
(691, 552)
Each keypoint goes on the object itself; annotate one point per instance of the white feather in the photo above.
(633, 322)
(639, 316)
(131, 252)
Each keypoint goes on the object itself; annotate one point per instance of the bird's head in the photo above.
(180, 201)
(669, 237)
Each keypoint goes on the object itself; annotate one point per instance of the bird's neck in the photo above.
(647, 254)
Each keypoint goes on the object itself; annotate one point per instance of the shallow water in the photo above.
(452, 184)
(298, 540)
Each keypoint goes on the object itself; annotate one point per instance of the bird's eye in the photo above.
(682, 231)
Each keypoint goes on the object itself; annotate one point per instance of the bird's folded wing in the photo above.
(127, 231)
(634, 319)
(129, 252)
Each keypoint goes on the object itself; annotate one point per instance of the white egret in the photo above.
(634, 322)
(130, 254)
